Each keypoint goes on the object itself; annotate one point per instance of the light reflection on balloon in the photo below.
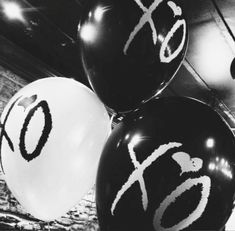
(221, 166)
(127, 136)
(135, 140)
(99, 13)
(89, 32)
(210, 143)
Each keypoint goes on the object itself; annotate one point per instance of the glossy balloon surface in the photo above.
(53, 132)
(131, 49)
(169, 166)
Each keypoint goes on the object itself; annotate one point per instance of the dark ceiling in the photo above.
(45, 45)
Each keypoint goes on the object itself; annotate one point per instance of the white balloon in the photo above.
(54, 130)
(230, 225)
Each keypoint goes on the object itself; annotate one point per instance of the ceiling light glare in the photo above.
(13, 11)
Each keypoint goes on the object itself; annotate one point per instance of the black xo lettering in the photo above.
(25, 103)
(45, 132)
(4, 133)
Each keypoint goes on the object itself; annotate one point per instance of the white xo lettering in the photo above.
(147, 18)
(186, 164)
(137, 174)
(187, 185)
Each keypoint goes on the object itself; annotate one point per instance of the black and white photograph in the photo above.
(117, 115)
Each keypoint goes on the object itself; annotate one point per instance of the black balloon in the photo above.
(168, 166)
(130, 49)
(232, 68)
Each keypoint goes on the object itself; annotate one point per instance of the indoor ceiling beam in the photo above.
(223, 26)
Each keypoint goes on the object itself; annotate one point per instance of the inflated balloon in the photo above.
(131, 49)
(53, 132)
(230, 225)
(167, 167)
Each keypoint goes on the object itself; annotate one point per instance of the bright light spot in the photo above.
(88, 33)
(136, 139)
(210, 143)
(226, 164)
(127, 136)
(227, 173)
(221, 166)
(222, 161)
(160, 38)
(212, 166)
(13, 11)
(99, 13)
